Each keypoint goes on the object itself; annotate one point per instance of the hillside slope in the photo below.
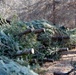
(27, 10)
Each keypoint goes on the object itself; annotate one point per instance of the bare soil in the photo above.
(65, 64)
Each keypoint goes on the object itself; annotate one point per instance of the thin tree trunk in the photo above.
(24, 52)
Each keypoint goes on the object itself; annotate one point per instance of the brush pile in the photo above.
(34, 42)
(37, 40)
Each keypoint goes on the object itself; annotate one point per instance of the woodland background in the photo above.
(64, 12)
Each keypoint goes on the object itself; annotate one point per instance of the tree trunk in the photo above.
(36, 31)
(24, 52)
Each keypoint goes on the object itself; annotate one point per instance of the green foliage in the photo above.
(72, 34)
(7, 45)
(31, 40)
(10, 67)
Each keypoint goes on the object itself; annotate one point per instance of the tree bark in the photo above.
(24, 32)
(36, 31)
(62, 49)
(60, 37)
(39, 30)
(24, 52)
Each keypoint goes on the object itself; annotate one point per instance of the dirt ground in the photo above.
(64, 65)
